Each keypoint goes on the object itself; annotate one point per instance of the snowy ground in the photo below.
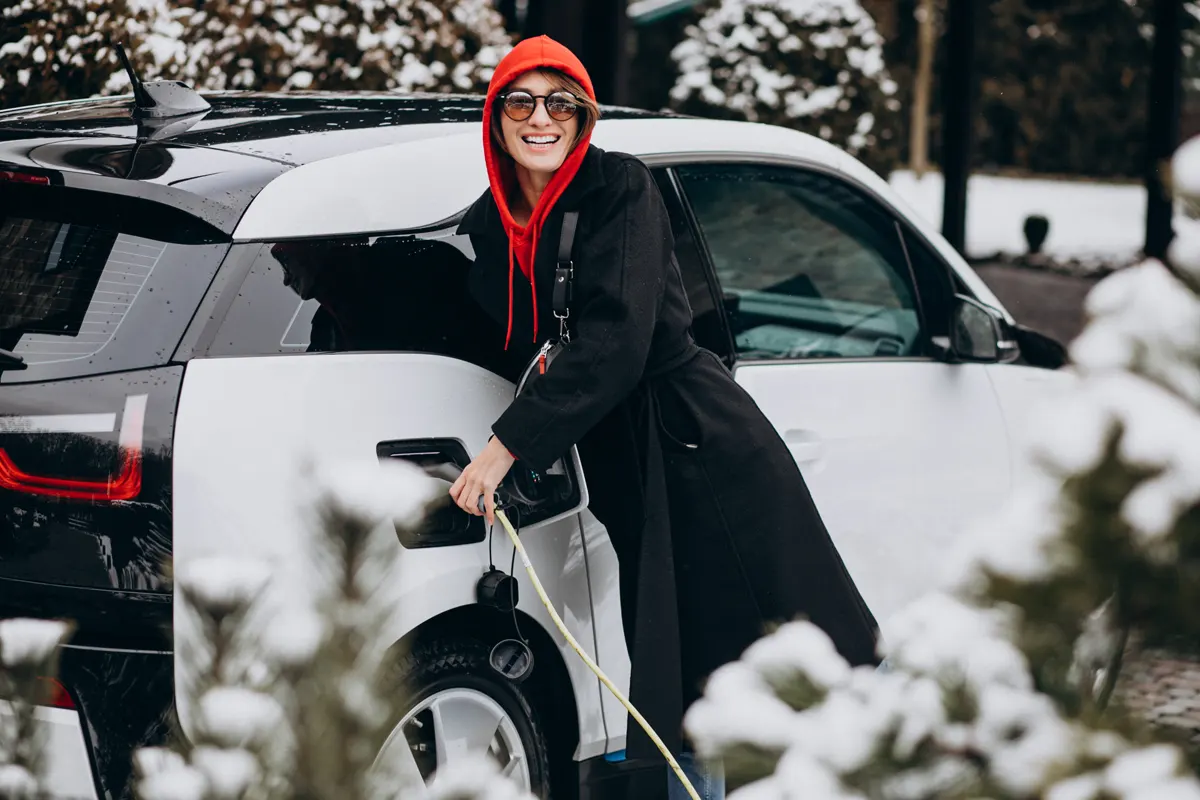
(1088, 221)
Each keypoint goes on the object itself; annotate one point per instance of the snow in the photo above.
(221, 585)
(1025, 738)
(177, 782)
(30, 642)
(1139, 768)
(151, 760)
(229, 772)
(738, 707)
(1143, 318)
(390, 490)
(233, 716)
(798, 777)
(17, 783)
(1089, 221)
(956, 644)
(1081, 787)
(474, 777)
(794, 650)
(292, 637)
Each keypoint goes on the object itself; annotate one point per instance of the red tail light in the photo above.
(57, 695)
(125, 485)
(23, 177)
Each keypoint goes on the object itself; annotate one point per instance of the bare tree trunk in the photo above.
(919, 128)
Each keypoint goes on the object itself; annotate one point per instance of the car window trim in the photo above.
(833, 173)
(706, 263)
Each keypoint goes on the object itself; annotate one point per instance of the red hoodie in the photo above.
(541, 52)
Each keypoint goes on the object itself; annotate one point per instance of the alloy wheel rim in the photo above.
(454, 723)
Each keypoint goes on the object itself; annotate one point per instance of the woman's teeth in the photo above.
(540, 142)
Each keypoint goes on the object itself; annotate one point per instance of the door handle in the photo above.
(806, 445)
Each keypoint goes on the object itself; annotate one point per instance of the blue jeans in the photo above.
(709, 782)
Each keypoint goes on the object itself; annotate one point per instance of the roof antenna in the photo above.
(160, 99)
(141, 98)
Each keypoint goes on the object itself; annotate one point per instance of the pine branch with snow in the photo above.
(28, 664)
(814, 65)
(1111, 517)
(296, 696)
(956, 718)
(63, 50)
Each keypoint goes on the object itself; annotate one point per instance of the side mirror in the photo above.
(1039, 350)
(977, 333)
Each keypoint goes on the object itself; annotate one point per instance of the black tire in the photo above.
(462, 663)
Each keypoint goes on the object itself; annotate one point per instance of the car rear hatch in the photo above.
(96, 291)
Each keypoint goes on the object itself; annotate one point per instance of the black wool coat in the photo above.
(716, 534)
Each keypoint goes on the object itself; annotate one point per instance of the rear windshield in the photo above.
(87, 293)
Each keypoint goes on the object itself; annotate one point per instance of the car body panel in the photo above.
(247, 426)
(1022, 392)
(900, 456)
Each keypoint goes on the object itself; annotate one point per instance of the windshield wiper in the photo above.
(10, 360)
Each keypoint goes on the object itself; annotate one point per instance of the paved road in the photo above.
(1045, 301)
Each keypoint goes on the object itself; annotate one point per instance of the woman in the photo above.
(713, 525)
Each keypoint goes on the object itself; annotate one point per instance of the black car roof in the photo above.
(213, 164)
(267, 125)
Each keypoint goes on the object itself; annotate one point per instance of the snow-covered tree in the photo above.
(62, 50)
(815, 65)
(28, 657)
(295, 695)
(367, 45)
(997, 683)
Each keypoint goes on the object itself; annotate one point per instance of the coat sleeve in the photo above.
(619, 279)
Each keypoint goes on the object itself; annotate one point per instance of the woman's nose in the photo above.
(540, 115)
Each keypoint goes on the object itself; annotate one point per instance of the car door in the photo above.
(833, 335)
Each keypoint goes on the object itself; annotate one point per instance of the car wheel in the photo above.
(456, 704)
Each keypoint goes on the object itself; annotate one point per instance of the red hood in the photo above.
(541, 52)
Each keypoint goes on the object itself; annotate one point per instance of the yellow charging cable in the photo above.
(537, 584)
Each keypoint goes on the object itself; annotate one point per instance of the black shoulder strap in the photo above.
(564, 274)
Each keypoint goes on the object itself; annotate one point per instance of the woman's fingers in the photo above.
(490, 501)
(457, 487)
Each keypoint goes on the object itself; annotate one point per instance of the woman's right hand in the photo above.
(480, 479)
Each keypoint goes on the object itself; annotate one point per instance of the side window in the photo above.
(379, 293)
(809, 267)
(708, 319)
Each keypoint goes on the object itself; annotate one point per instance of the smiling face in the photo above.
(540, 143)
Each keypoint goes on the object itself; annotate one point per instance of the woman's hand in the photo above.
(481, 477)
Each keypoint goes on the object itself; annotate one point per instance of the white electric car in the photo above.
(161, 379)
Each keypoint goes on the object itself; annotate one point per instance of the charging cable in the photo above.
(592, 665)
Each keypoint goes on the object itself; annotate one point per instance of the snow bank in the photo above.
(1089, 221)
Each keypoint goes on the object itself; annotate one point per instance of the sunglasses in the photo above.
(519, 105)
